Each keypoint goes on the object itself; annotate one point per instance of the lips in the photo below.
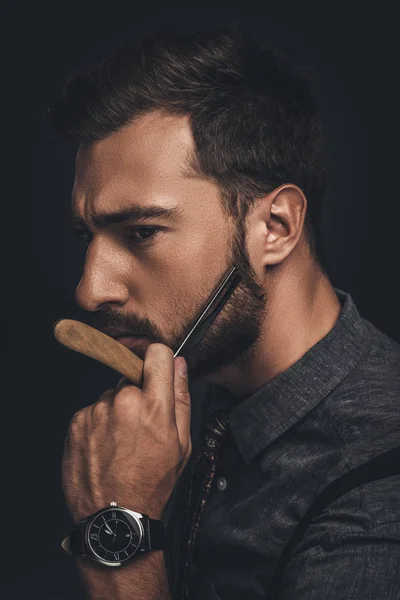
(121, 333)
(132, 342)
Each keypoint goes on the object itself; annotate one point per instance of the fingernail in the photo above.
(182, 368)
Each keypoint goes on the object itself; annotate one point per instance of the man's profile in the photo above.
(198, 152)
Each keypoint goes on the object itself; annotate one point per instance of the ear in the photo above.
(283, 214)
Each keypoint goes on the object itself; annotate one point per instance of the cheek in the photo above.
(174, 281)
(176, 300)
(161, 291)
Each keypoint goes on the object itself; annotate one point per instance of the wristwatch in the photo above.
(115, 535)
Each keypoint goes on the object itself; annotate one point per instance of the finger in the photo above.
(182, 404)
(98, 407)
(158, 380)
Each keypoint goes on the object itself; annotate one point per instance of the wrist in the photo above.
(114, 536)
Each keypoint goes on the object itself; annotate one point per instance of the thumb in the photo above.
(182, 404)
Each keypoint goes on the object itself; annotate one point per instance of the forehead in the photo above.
(149, 157)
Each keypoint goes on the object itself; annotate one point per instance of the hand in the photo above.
(132, 444)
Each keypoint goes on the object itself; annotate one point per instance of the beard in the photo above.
(230, 339)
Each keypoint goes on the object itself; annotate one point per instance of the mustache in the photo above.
(109, 318)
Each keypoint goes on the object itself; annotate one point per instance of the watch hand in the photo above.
(108, 527)
(115, 532)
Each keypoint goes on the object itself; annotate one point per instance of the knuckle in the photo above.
(77, 421)
(99, 408)
(125, 394)
(125, 398)
(77, 417)
(184, 396)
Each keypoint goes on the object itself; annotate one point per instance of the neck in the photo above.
(301, 310)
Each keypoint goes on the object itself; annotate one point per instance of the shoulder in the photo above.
(364, 411)
(365, 407)
(382, 361)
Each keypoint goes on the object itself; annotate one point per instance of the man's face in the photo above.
(152, 276)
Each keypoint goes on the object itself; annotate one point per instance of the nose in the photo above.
(102, 281)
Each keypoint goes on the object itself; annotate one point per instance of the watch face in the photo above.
(114, 535)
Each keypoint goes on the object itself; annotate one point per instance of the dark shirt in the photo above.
(335, 408)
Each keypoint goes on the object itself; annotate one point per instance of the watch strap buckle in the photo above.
(65, 545)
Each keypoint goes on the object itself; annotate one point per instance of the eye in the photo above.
(149, 234)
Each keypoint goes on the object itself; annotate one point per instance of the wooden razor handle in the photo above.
(91, 342)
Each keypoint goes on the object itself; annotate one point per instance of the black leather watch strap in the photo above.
(155, 536)
(154, 539)
(77, 538)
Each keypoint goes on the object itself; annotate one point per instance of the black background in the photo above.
(353, 52)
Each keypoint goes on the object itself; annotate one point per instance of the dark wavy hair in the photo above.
(253, 114)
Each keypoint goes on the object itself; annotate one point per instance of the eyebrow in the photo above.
(133, 214)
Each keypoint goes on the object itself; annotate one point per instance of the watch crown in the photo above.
(113, 504)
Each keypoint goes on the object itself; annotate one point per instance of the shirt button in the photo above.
(221, 484)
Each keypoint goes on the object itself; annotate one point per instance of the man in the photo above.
(197, 153)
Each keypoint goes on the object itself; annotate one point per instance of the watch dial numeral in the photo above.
(93, 536)
(116, 556)
(113, 514)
